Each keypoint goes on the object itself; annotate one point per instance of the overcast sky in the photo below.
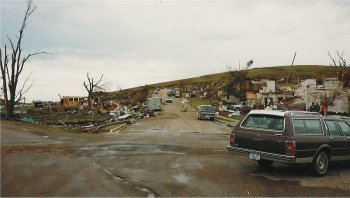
(134, 43)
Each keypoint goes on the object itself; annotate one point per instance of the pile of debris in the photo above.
(121, 116)
(94, 127)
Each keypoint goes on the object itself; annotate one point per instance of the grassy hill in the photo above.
(296, 73)
(273, 73)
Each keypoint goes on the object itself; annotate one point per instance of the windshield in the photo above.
(207, 108)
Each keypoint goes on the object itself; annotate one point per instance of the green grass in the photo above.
(278, 72)
(301, 71)
(195, 102)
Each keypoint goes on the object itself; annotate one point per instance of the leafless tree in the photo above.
(235, 79)
(12, 62)
(342, 66)
(91, 87)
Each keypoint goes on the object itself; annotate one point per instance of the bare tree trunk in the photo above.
(91, 87)
(3, 62)
(11, 69)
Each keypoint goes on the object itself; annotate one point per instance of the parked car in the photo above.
(291, 137)
(38, 103)
(171, 92)
(177, 94)
(242, 106)
(169, 100)
(206, 112)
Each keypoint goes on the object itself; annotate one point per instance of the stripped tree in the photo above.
(342, 66)
(90, 87)
(235, 79)
(12, 62)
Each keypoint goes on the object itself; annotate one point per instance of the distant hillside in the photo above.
(278, 73)
(273, 73)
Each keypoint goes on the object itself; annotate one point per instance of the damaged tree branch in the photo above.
(90, 88)
(11, 69)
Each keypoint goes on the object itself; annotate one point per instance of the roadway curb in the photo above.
(227, 121)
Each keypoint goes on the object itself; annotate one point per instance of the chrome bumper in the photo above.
(263, 155)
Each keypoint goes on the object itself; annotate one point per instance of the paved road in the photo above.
(173, 154)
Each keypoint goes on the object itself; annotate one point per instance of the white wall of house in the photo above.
(331, 88)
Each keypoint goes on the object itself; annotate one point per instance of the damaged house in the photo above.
(73, 101)
(330, 92)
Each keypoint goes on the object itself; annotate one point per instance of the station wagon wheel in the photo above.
(320, 164)
(265, 163)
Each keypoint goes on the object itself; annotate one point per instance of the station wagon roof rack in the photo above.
(284, 112)
(303, 113)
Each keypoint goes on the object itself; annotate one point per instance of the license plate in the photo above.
(207, 117)
(254, 156)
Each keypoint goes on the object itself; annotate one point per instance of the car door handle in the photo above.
(331, 138)
(278, 134)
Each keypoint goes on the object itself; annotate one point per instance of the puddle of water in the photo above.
(146, 190)
(175, 165)
(187, 165)
(137, 124)
(182, 178)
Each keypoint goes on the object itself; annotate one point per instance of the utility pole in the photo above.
(288, 77)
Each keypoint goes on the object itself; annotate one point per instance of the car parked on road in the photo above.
(242, 106)
(291, 137)
(169, 100)
(206, 112)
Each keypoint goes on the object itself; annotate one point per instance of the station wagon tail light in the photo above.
(290, 147)
(232, 137)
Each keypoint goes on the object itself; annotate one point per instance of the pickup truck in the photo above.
(206, 112)
(242, 106)
(236, 107)
(291, 137)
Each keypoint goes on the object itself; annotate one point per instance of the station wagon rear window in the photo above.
(307, 127)
(344, 127)
(270, 122)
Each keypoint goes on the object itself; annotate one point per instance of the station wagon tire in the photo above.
(320, 164)
(265, 163)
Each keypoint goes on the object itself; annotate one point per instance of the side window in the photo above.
(270, 122)
(332, 128)
(307, 127)
(344, 127)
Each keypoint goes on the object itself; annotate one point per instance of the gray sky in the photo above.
(142, 42)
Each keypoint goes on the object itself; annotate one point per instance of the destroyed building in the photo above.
(73, 101)
(261, 93)
(331, 92)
